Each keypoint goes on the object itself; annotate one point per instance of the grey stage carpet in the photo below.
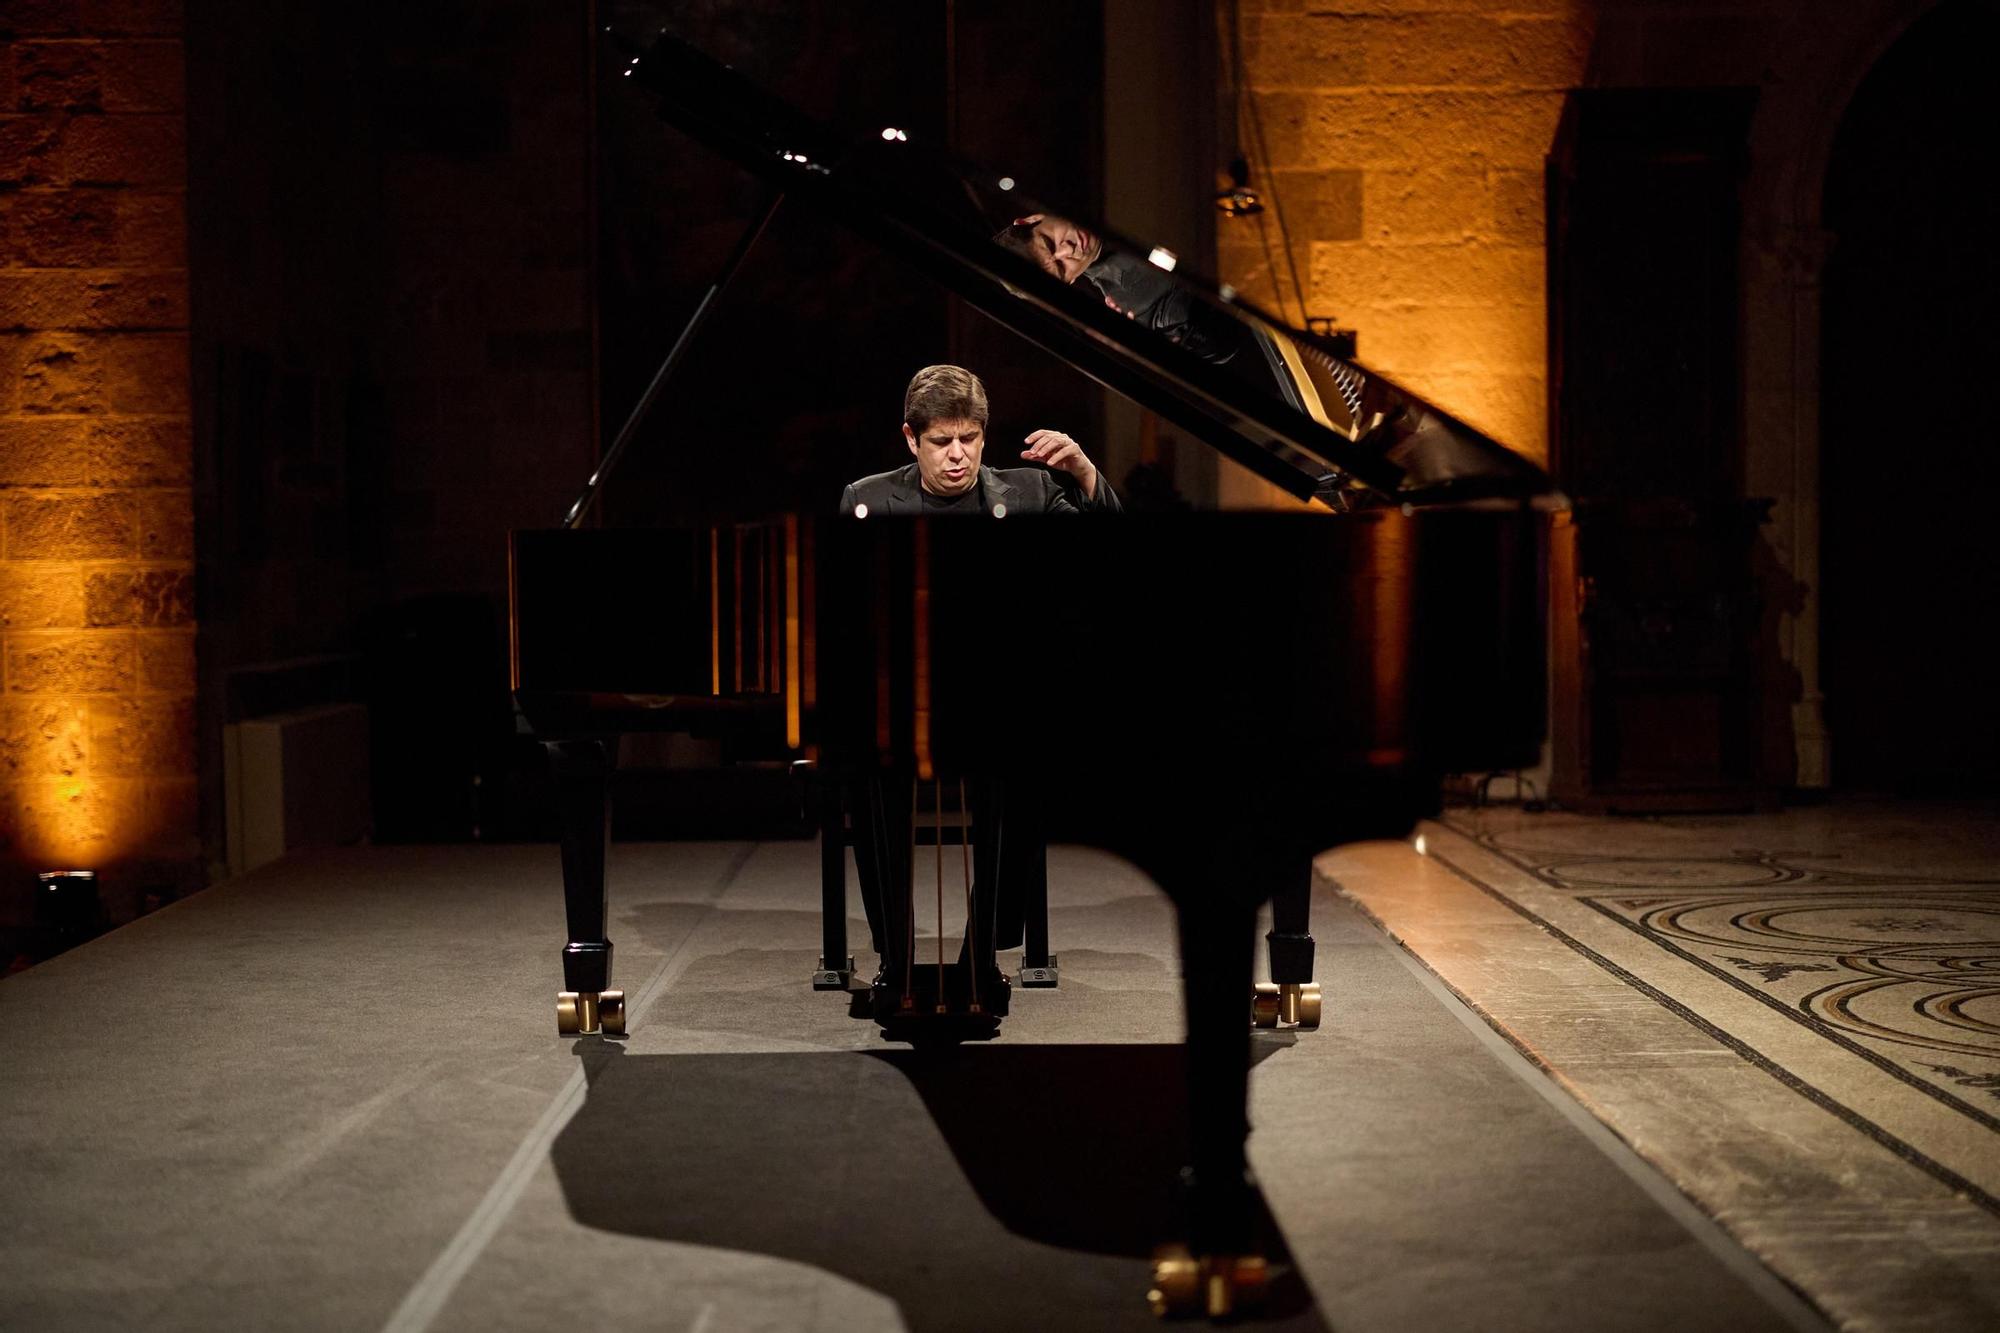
(330, 1096)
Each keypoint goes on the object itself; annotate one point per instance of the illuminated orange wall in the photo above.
(97, 688)
(1406, 140)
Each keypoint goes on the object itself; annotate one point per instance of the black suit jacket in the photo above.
(1024, 490)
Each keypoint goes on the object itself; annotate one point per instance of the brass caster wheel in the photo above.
(1218, 1286)
(1309, 1006)
(579, 1013)
(1298, 1004)
(1177, 1286)
(1266, 1004)
(1234, 1283)
(611, 1012)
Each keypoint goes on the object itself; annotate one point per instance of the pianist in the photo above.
(944, 426)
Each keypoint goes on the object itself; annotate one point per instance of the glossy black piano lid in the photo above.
(1271, 398)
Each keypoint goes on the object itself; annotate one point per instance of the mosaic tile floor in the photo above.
(1795, 1016)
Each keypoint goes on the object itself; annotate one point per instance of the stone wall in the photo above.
(1407, 136)
(97, 668)
(1405, 141)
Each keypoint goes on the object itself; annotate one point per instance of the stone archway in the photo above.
(1826, 55)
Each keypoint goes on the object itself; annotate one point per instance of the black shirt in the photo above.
(969, 501)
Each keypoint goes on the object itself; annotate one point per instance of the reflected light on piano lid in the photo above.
(1006, 182)
(1163, 258)
(890, 134)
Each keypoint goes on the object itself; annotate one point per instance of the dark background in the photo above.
(1911, 458)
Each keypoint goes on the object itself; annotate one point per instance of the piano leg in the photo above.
(1221, 1269)
(1292, 996)
(836, 965)
(587, 1004)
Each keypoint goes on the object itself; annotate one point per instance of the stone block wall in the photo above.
(1405, 139)
(97, 675)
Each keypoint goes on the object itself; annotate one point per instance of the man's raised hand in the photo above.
(1063, 454)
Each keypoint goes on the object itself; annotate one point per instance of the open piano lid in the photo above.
(1271, 398)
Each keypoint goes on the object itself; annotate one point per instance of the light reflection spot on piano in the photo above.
(1006, 182)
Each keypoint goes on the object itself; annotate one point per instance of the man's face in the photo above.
(947, 455)
(1060, 246)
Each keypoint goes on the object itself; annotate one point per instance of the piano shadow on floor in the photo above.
(990, 1186)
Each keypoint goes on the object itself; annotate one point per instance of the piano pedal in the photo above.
(1039, 978)
(1292, 1004)
(833, 978)
(1216, 1285)
(588, 1013)
(927, 1013)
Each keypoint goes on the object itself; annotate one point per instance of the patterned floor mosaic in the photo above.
(1795, 1016)
(1902, 969)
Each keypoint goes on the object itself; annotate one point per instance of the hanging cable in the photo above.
(1270, 261)
(1248, 103)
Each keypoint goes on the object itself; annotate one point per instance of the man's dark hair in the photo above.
(943, 393)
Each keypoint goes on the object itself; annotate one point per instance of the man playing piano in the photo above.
(944, 425)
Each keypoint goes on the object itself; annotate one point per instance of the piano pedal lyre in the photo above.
(1292, 1004)
(587, 1013)
(1217, 1285)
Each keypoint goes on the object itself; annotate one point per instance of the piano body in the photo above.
(1276, 684)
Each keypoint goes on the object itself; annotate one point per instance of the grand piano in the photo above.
(1276, 683)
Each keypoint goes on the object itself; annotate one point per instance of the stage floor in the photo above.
(329, 1095)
